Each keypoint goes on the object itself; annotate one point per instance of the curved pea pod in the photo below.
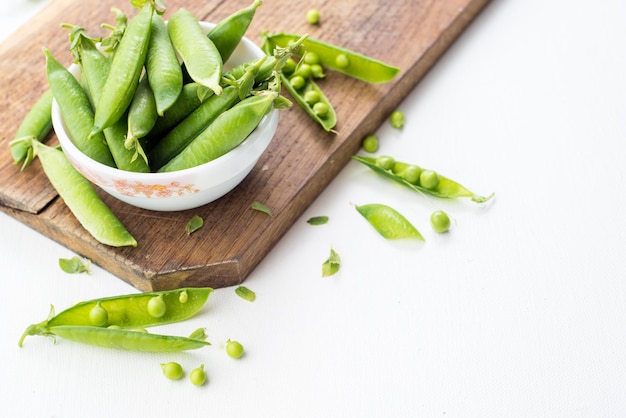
(142, 116)
(388, 222)
(164, 72)
(37, 123)
(77, 112)
(226, 132)
(202, 60)
(228, 32)
(132, 311)
(446, 188)
(126, 68)
(340, 59)
(328, 120)
(122, 339)
(81, 198)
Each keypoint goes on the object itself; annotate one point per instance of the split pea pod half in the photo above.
(164, 72)
(418, 179)
(388, 222)
(227, 33)
(202, 60)
(226, 132)
(340, 59)
(81, 198)
(37, 123)
(114, 321)
(126, 68)
(77, 111)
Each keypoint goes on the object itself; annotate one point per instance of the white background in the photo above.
(520, 310)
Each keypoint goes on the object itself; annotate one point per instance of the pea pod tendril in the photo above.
(444, 188)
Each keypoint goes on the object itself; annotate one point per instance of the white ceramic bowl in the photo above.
(184, 189)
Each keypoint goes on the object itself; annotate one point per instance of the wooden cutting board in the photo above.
(298, 165)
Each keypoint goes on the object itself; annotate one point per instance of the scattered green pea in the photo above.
(245, 293)
(98, 316)
(172, 370)
(440, 221)
(157, 307)
(183, 297)
(234, 349)
(332, 264)
(370, 143)
(429, 179)
(313, 16)
(396, 119)
(198, 376)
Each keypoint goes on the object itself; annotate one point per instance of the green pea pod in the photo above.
(227, 34)
(226, 132)
(142, 116)
(76, 110)
(37, 123)
(328, 119)
(187, 102)
(446, 188)
(131, 311)
(202, 60)
(126, 68)
(81, 198)
(164, 72)
(95, 68)
(388, 222)
(340, 59)
(124, 339)
(188, 129)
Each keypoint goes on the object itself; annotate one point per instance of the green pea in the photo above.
(396, 119)
(290, 66)
(385, 162)
(312, 97)
(297, 82)
(234, 349)
(157, 307)
(98, 316)
(370, 143)
(429, 179)
(317, 71)
(311, 58)
(440, 221)
(183, 297)
(342, 61)
(412, 174)
(313, 16)
(321, 109)
(304, 70)
(198, 376)
(172, 370)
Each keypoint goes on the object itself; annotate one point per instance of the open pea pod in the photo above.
(339, 59)
(445, 187)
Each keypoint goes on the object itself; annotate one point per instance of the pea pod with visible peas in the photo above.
(113, 321)
(126, 68)
(418, 179)
(76, 110)
(313, 100)
(340, 59)
(81, 198)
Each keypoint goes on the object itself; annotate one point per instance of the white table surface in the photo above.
(520, 310)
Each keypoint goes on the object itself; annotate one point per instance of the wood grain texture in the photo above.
(299, 163)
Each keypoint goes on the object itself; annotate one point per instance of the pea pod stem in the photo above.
(446, 188)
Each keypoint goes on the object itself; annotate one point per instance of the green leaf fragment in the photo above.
(75, 265)
(261, 208)
(195, 223)
(332, 264)
(317, 220)
(245, 293)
